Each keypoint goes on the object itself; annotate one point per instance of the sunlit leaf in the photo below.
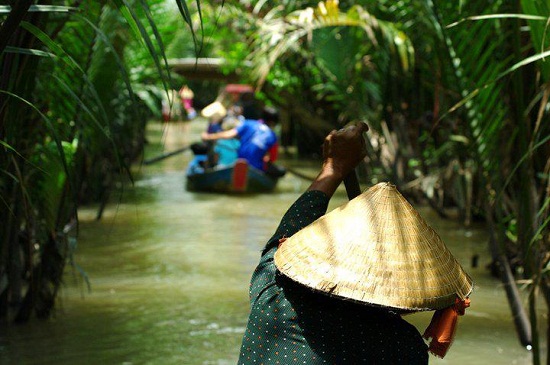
(6, 9)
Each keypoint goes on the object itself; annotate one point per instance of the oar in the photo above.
(299, 174)
(165, 155)
(352, 185)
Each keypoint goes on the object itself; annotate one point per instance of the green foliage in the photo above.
(314, 58)
(460, 89)
(492, 62)
(74, 99)
(49, 180)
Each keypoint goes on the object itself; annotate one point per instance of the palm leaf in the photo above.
(6, 9)
(476, 68)
(49, 182)
(141, 33)
(63, 56)
(28, 51)
(279, 35)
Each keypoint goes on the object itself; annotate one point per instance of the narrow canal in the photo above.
(169, 273)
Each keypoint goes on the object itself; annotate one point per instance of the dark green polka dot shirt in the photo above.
(290, 324)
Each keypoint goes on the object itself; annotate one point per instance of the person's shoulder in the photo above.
(247, 124)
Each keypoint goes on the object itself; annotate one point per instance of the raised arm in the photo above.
(342, 152)
(228, 134)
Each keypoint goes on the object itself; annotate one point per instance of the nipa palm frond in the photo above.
(476, 63)
(280, 34)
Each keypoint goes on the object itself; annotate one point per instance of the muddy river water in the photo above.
(169, 272)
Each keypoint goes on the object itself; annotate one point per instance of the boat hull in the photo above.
(238, 178)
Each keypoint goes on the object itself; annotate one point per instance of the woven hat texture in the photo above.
(215, 111)
(375, 249)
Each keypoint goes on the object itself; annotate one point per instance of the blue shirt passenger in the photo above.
(256, 139)
(227, 151)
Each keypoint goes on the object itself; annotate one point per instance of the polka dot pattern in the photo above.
(290, 324)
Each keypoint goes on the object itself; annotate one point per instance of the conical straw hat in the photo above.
(215, 111)
(375, 249)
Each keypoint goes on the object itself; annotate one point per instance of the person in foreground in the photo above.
(296, 320)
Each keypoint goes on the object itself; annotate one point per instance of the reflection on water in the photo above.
(169, 272)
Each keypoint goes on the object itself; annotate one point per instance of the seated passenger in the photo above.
(226, 151)
(256, 139)
(215, 113)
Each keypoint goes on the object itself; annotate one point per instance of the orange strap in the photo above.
(443, 326)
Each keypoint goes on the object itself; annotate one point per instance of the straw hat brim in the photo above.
(376, 249)
(215, 110)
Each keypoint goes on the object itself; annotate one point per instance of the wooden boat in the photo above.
(238, 178)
